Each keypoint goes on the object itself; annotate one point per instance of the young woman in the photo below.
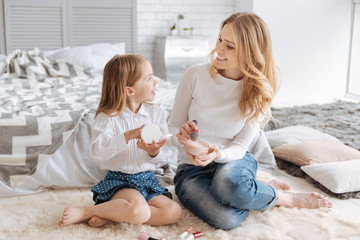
(230, 98)
(130, 192)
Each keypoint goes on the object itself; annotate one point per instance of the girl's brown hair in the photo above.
(120, 72)
(260, 83)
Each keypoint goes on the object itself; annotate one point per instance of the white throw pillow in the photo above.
(296, 134)
(261, 150)
(2, 57)
(103, 52)
(80, 56)
(338, 177)
(47, 53)
(92, 58)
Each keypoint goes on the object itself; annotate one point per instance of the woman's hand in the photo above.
(184, 132)
(203, 160)
(133, 134)
(153, 148)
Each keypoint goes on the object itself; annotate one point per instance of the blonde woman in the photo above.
(230, 98)
(130, 192)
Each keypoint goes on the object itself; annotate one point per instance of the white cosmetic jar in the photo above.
(150, 132)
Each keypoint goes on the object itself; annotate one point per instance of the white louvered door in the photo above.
(52, 24)
(36, 23)
(102, 21)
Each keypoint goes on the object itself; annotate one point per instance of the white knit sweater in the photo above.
(109, 148)
(214, 104)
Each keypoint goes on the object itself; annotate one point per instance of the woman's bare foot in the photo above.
(303, 200)
(97, 222)
(278, 184)
(72, 215)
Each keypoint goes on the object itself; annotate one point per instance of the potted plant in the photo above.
(173, 31)
(180, 24)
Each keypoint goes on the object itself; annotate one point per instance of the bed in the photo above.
(48, 96)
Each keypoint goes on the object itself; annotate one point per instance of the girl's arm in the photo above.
(105, 144)
(166, 147)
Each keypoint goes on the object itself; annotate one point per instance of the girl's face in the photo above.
(144, 89)
(225, 52)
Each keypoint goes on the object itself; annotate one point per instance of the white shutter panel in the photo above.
(106, 21)
(35, 23)
(52, 24)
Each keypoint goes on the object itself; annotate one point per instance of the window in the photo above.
(353, 88)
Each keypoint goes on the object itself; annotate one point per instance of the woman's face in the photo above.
(225, 49)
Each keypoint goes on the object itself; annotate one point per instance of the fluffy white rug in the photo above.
(36, 217)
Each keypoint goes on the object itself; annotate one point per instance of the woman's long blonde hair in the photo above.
(255, 58)
(120, 72)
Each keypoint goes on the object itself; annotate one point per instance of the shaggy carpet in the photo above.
(36, 217)
(340, 119)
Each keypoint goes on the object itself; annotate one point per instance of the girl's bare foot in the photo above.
(97, 222)
(72, 215)
(303, 200)
(278, 184)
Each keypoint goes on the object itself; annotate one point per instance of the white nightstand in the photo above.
(174, 54)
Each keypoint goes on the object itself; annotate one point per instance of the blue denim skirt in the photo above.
(144, 182)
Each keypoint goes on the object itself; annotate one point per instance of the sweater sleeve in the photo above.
(182, 102)
(104, 143)
(160, 120)
(238, 147)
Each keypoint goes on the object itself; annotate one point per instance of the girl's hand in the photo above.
(203, 160)
(133, 134)
(184, 132)
(153, 148)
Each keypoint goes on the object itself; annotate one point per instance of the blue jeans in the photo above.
(223, 194)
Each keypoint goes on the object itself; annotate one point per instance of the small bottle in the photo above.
(185, 234)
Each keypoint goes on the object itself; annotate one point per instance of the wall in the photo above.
(354, 70)
(156, 16)
(311, 46)
(2, 29)
(311, 38)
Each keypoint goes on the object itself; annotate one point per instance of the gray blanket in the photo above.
(40, 106)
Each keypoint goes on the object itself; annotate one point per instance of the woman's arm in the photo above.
(238, 147)
(183, 98)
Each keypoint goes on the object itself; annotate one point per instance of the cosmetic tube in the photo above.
(144, 236)
(185, 234)
(195, 235)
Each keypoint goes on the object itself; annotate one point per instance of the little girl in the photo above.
(130, 192)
